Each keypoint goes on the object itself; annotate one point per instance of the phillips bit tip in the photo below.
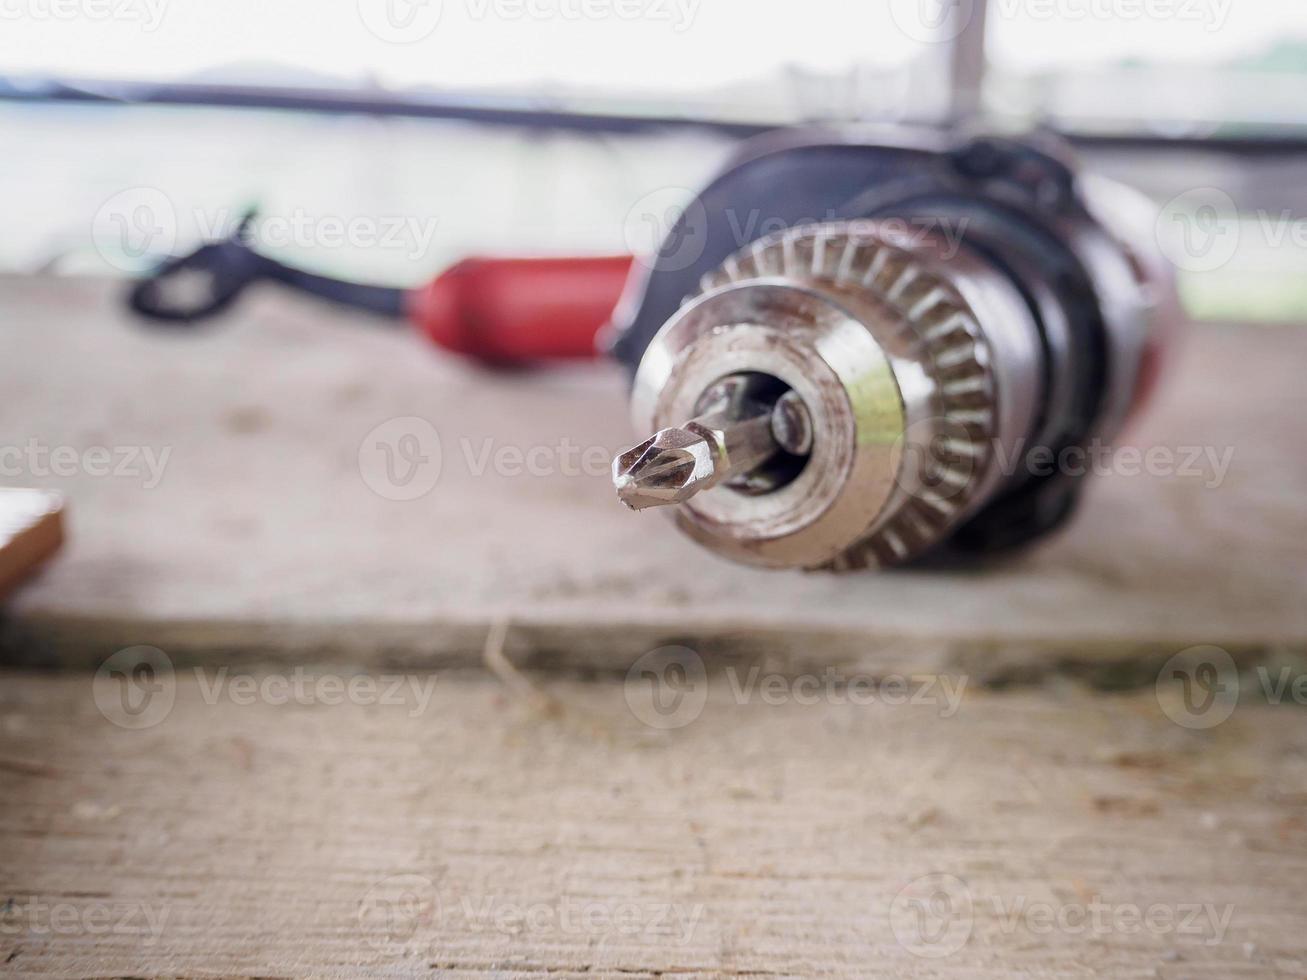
(668, 468)
(675, 464)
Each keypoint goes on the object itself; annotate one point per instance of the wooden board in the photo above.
(263, 538)
(1050, 834)
(31, 531)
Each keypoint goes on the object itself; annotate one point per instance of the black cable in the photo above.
(201, 285)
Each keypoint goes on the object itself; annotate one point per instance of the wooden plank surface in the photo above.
(472, 832)
(263, 538)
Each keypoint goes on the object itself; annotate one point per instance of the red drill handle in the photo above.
(521, 309)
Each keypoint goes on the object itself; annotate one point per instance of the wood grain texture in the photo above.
(477, 834)
(262, 539)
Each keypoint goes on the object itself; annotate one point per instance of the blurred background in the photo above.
(534, 126)
(295, 492)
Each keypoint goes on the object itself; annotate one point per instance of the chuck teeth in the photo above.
(937, 329)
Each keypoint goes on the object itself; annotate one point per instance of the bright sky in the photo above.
(656, 44)
(1028, 34)
(612, 45)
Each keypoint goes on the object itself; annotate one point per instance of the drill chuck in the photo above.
(862, 391)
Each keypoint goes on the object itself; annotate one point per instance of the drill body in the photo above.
(942, 320)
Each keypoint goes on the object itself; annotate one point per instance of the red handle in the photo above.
(521, 309)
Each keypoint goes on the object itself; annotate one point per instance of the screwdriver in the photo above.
(497, 310)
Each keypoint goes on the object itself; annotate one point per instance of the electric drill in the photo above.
(855, 348)
(895, 369)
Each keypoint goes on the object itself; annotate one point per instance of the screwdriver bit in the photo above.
(679, 462)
